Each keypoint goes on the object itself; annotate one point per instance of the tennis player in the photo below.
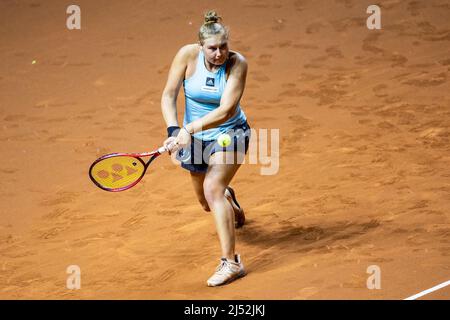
(213, 78)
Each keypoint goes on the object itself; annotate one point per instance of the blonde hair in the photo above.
(211, 26)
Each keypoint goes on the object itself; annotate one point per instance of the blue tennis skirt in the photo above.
(201, 150)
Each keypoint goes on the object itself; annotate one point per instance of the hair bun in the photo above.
(211, 26)
(211, 17)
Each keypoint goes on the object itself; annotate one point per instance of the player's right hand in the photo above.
(170, 145)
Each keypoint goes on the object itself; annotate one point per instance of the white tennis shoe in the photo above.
(227, 271)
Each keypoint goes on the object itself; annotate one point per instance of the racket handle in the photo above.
(162, 150)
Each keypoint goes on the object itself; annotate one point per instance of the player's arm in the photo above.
(229, 101)
(172, 88)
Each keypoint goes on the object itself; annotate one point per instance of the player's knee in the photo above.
(213, 191)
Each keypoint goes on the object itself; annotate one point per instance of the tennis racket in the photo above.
(121, 171)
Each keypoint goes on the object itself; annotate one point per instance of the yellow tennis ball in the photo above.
(224, 140)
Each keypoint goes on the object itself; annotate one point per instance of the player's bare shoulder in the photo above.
(237, 62)
(236, 58)
(189, 52)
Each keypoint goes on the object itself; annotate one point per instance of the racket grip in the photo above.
(162, 150)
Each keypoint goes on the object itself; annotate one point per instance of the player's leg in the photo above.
(217, 178)
(216, 181)
(197, 182)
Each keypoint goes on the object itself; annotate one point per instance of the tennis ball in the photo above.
(224, 140)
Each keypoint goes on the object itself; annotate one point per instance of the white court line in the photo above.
(421, 294)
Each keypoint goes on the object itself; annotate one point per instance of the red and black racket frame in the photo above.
(153, 155)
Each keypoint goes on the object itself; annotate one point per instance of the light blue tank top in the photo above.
(203, 91)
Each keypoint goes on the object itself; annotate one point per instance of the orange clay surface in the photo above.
(364, 159)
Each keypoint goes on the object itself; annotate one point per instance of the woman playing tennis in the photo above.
(214, 128)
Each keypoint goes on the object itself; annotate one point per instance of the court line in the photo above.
(435, 288)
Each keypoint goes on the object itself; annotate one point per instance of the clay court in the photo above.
(364, 154)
